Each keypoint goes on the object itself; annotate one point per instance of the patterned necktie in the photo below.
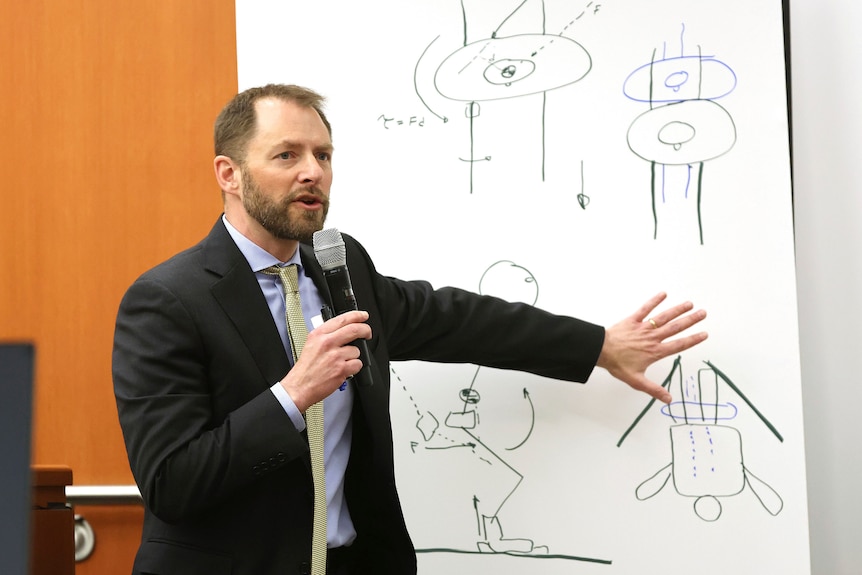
(313, 415)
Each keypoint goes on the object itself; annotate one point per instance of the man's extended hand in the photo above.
(637, 342)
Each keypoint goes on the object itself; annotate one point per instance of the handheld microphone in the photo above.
(331, 254)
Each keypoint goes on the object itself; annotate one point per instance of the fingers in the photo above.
(673, 322)
(659, 393)
(651, 304)
(671, 314)
(346, 327)
(668, 326)
(675, 346)
(641, 383)
(353, 366)
(342, 330)
(681, 344)
(343, 320)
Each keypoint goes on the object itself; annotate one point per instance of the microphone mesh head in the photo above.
(329, 249)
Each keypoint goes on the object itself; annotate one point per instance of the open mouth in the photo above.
(309, 200)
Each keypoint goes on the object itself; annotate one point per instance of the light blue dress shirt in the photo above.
(337, 429)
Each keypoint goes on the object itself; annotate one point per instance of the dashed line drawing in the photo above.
(499, 66)
(707, 461)
(492, 479)
(684, 127)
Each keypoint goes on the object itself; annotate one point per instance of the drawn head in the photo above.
(511, 282)
(237, 122)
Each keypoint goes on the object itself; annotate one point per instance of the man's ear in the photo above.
(228, 174)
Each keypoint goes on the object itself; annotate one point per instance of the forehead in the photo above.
(279, 120)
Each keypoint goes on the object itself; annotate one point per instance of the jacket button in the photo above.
(304, 568)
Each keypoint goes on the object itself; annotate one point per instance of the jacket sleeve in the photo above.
(457, 326)
(187, 450)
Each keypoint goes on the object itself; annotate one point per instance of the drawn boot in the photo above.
(495, 542)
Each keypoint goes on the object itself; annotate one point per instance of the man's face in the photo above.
(287, 172)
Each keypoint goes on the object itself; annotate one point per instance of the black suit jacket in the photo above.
(224, 475)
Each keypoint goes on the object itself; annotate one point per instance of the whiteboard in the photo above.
(579, 156)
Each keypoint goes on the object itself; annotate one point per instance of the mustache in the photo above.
(308, 191)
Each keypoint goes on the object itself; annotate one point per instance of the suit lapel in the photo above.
(314, 272)
(239, 295)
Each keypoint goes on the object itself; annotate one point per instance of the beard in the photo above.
(274, 216)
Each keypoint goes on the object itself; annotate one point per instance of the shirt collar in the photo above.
(257, 257)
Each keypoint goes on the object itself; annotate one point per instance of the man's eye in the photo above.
(284, 155)
(324, 156)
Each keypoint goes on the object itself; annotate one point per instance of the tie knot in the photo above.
(288, 275)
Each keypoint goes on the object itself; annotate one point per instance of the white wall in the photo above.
(826, 60)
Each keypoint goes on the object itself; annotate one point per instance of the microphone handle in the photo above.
(343, 300)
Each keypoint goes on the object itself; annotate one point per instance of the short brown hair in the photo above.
(237, 122)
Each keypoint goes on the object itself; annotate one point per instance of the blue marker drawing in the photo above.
(707, 462)
(684, 127)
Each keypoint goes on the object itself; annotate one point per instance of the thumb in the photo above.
(640, 382)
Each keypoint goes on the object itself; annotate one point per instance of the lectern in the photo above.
(52, 533)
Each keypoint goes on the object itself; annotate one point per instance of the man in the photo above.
(211, 404)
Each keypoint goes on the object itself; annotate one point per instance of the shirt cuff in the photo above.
(289, 407)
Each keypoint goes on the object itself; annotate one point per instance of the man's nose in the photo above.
(311, 169)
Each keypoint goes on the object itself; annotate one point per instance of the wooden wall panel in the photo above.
(106, 111)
